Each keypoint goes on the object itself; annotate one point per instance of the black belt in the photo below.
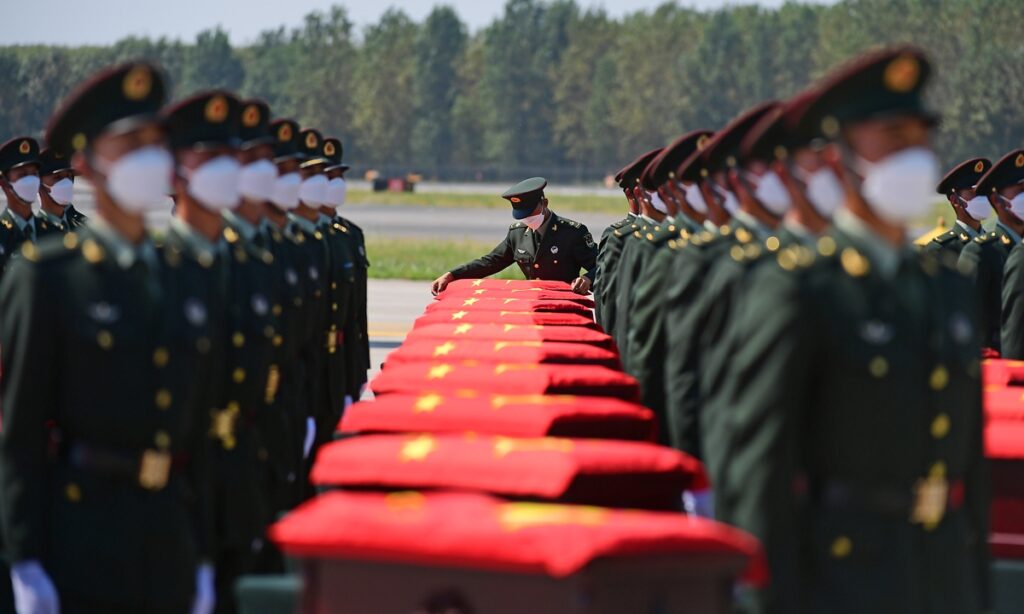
(925, 503)
(149, 469)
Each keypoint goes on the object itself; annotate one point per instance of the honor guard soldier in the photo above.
(57, 191)
(984, 258)
(19, 179)
(356, 337)
(543, 244)
(970, 207)
(610, 256)
(855, 437)
(104, 489)
(609, 247)
(1004, 184)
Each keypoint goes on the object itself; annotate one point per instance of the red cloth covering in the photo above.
(533, 294)
(511, 332)
(507, 304)
(512, 415)
(532, 352)
(543, 318)
(1004, 439)
(1006, 537)
(1004, 403)
(587, 471)
(997, 373)
(506, 378)
(477, 531)
(505, 284)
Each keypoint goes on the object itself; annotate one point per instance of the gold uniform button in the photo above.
(238, 340)
(334, 285)
(940, 426)
(161, 356)
(938, 470)
(73, 492)
(162, 440)
(238, 375)
(276, 310)
(105, 339)
(278, 340)
(939, 378)
(334, 306)
(163, 398)
(841, 547)
(878, 366)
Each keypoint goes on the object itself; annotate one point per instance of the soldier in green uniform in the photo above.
(1005, 181)
(855, 449)
(103, 469)
(983, 259)
(689, 296)
(355, 335)
(971, 208)
(608, 250)
(19, 180)
(57, 191)
(543, 244)
(646, 325)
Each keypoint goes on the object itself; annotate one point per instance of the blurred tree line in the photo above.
(550, 87)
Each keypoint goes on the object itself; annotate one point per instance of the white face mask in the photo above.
(1016, 205)
(286, 191)
(313, 190)
(978, 208)
(772, 193)
(256, 180)
(729, 201)
(27, 188)
(901, 187)
(337, 191)
(215, 183)
(823, 190)
(656, 202)
(141, 180)
(62, 192)
(534, 221)
(696, 198)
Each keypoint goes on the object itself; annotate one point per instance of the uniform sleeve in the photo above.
(1012, 330)
(775, 381)
(586, 253)
(498, 260)
(29, 389)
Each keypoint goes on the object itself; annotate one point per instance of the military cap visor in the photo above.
(525, 196)
(310, 146)
(630, 175)
(118, 99)
(723, 150)
(964, 176)
(18, 152)
(1008, 171)
(332, 150)
(777, 132)
(886, 84)
(663, 166)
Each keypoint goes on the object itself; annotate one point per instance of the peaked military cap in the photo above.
(208, 119)
(723, 150)
(286, 139)
(964, 175)
(254, 124)
(53, 161)
(18, 152)
(311, 144)
(525, 196)
(630, 174)
(777, 132)
(117, 99)
(1009, 170)
(888, 83)
(663, 166)
(332, 151)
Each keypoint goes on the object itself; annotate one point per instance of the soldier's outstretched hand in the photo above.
(581, 285)
(441, 283)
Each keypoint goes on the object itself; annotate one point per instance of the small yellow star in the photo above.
(462, 329)
(478, 283)
(469, 302)
(439, 372)
(444, 349)
(458, 315)
(418, 449)
(427, 403)
(479, 292)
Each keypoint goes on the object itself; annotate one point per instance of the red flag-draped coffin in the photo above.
(535, 352)
(505, 284)
(998, 372)
(511, 332)
(507, 304)
(542, 318)
(533, 294)
(512, 415)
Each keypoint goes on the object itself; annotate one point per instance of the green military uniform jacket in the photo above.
(12, 236)
(73, 219)
(855, 389)
(557, 252)
(1012, 329)
(103, 359)
(982, 260)
(608, 251)
(344, 355)
(951, 242)
(636, 249)
(361, 337)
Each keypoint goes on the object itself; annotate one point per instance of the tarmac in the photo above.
(392, 305)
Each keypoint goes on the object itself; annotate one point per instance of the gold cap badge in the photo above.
(1019, 162)
(311, 140)
(516, 199)
(138, 82)
(25, 147)
(284, 133)
(329, 149)
(980, 166)
(216, 110)
(251, 116)
(902, 74)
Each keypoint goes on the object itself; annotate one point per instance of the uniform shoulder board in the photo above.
(572, 223)
(986, 238)
(619, 224)
(7, 223)
(516, 225)
(946, 237)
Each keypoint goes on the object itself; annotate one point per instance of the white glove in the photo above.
(206, 596)
(307, 445)
(699, 502)
(34, 592)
